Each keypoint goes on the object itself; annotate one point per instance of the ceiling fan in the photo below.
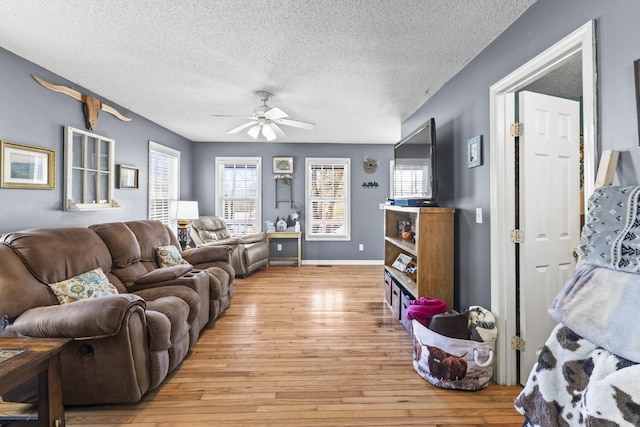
(266, 121)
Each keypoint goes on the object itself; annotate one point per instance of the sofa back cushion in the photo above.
(150, 235)
(56, 254)
(210, 228)
(125, 251)
(121, 241)
(19, 289)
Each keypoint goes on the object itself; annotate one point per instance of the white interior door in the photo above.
(549, 211)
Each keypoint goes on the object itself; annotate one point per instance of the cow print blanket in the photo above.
(576, 383)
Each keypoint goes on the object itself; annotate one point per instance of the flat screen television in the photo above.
(414, 167)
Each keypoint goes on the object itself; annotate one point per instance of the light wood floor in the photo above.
(308, 346)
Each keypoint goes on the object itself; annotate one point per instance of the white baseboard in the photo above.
(343, 262)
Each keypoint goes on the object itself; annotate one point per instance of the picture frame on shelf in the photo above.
(474, 151)
(283, 165)
(127, 176)
(26, 166)
(401, 262)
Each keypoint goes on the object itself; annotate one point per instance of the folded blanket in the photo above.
(602, 305)
(451, 324)
(576, 382)
(423, 309)
(482, 324)
(611, 235)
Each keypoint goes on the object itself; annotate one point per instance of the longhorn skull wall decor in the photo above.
(91, 105)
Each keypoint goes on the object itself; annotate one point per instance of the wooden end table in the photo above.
(38, 357)
(285, 235)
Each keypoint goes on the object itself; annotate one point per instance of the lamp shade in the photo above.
(183, 209)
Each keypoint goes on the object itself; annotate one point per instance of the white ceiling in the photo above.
(356, 68)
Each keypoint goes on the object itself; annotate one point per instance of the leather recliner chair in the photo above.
(248, 253)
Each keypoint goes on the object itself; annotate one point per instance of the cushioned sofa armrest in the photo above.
(255, 237)
(206, 254)
(186, 294)
(164, 274)
(89, 318)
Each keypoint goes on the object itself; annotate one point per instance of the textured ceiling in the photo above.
(356, 68)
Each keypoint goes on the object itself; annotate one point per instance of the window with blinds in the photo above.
(409, 178)
(239, 193)
(164, 183)
(327, 199)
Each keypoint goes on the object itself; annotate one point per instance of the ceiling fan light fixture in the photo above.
(268, 132)
(266, 121)
(254, 131)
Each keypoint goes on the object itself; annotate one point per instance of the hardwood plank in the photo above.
(303, 346)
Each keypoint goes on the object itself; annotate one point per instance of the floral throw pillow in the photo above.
(92, 284)
(168, 256)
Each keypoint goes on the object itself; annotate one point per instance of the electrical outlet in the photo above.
(361, 247)
(279, 247)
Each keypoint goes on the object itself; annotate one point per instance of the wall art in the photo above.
(26, 166)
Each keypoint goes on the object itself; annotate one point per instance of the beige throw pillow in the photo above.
(92, 284)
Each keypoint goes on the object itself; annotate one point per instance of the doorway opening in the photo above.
(502, 97)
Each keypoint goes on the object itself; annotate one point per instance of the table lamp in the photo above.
(183, 211)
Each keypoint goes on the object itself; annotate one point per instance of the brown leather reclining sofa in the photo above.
(126, 343)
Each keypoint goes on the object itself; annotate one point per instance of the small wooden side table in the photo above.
(37, 357)
(285, 235)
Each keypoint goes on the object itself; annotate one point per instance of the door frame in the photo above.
(502, 176)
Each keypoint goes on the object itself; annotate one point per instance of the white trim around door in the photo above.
(502, 176)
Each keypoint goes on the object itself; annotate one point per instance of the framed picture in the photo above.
(25, 166)
(127, 177)
(401, 262)
(636, 72)
(474, 152)
(283, 165)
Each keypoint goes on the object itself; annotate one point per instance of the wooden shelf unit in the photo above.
(432, 251)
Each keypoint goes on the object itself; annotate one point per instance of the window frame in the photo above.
(174, 155)
(79, 163)
(219, 193)
(310, 163)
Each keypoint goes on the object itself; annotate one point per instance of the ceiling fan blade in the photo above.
(268, 133)
(239, 128)
(254, 131)
(278, 130)
(275, 113)
(297, 124)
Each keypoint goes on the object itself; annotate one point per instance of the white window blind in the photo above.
(164, 181)
(239, 194)
(409, 178)
(328, 199)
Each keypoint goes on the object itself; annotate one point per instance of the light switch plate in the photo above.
(479, 215)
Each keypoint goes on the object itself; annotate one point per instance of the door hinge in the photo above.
(517, 343)
(517, 236)
(516, 129)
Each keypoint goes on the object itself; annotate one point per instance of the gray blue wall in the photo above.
(33, 115)
(461, 110)
(367, 218)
